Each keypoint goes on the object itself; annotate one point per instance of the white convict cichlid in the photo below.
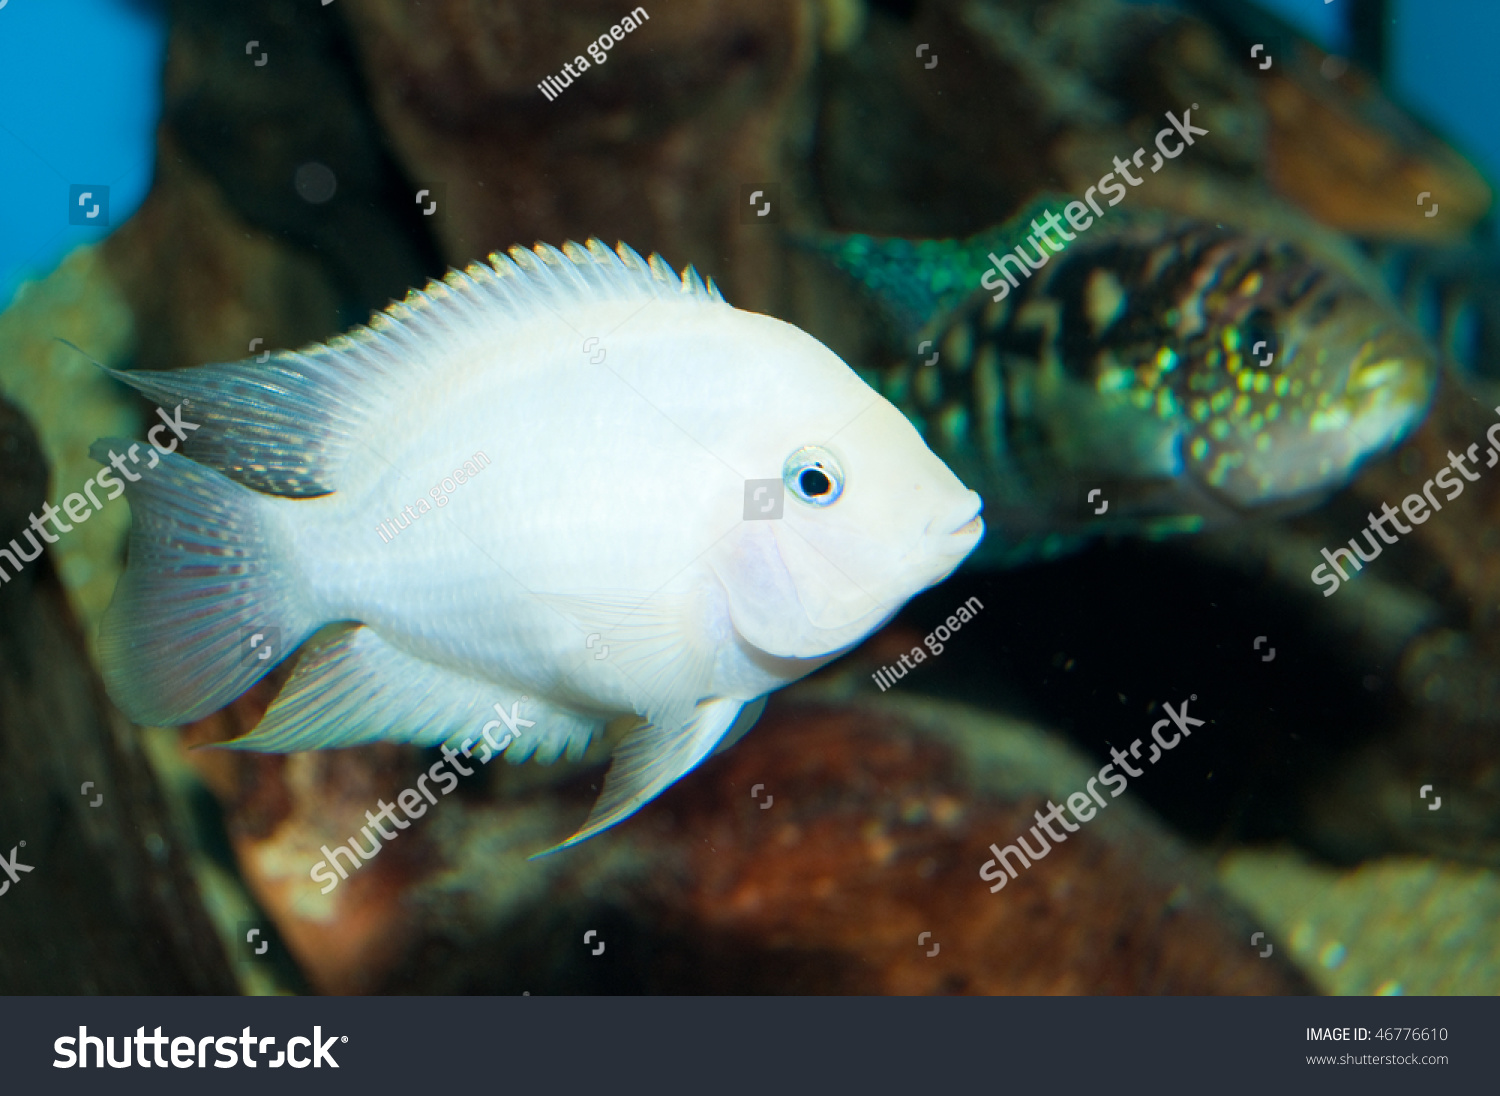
(611, 561)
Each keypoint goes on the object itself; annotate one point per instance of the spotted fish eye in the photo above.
(814, 475)
(1260, 326)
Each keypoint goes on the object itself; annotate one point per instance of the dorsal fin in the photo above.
(289, 425)
(918, 282)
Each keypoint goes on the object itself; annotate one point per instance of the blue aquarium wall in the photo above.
(80, 94)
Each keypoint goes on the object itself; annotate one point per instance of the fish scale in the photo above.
(1125, 363)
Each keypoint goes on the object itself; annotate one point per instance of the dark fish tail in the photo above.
(919, 282)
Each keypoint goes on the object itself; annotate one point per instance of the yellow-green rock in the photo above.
(71, 404)
(1397, 926)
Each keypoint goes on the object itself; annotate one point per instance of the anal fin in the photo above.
(651, 759)
(352, 687)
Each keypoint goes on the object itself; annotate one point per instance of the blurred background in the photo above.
(183, 182)
(80, 96)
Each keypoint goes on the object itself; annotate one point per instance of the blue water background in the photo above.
(1443, 64)
(79, 100)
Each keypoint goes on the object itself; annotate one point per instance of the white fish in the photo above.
(601, 566)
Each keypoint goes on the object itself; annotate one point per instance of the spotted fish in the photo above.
(1149, 375)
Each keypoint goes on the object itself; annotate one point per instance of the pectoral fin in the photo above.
(656, 643)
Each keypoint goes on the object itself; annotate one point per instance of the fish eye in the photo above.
(1260, 326)
(814, 475)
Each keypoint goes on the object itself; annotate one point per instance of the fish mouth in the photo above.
(955, 534)
(1395, 374)
(1390, 385)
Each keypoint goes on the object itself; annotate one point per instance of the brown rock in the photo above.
(1357, 163)
(203, 284)
(109, 904)
(252, 129)
(651, 147)
(876, 836)
(879, 818)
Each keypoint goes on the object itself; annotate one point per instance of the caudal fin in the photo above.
(917, 283)
(210, 600)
